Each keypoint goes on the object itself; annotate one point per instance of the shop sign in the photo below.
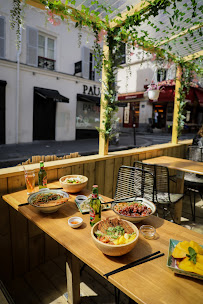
(91, 90)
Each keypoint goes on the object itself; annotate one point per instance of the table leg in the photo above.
(179, 205)
(73, 278)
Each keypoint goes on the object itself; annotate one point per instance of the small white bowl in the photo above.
(77, 219)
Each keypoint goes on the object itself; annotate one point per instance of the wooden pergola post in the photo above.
(103, 145)
(176, 106)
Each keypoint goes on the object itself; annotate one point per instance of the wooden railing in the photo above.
(23, 245)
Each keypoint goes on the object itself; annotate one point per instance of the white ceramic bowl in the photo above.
(115, 250)
(77, 219)
(47, 208)
(137, 218)
(73, 188)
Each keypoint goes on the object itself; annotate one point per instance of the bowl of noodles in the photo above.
(73, 183)
(48, 201)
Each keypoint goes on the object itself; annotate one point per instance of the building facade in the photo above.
(49, 88)
(143, 113)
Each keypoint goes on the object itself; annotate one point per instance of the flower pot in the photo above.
(153, 94)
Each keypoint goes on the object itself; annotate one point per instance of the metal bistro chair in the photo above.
(163, 196)
(134, 182)
(193, 182)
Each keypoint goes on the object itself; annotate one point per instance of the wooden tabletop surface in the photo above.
(151, 282)
(181, 164)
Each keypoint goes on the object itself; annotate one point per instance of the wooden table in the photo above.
(180, 164)
(151, 282)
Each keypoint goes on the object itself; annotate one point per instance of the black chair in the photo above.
(134, 182)
(194, 182)
(163, 196)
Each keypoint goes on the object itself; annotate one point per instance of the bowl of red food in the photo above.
(134, 210)
(115, 237)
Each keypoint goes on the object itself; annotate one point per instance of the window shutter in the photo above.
(32, 46)
(85, 62)
(2, 36)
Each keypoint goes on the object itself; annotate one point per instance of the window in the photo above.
(161, 74)
(46, 46)
(40, 49)
(2, 37)
(88, 65)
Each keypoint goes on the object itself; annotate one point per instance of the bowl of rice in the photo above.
(73, 183)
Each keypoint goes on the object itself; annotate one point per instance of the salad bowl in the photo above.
(73, 183)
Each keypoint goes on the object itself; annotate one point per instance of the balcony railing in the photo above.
(46, 63)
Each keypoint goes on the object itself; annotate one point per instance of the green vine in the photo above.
(129, 31)
(188, 71)
(16, 20)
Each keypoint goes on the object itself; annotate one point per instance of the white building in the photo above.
(141, 69)
(49, 89)
(137, 73)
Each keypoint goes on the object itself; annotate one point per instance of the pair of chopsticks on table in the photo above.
(145, 259)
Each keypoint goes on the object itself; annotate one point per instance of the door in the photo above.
(159, 115)
(44, 118)
(2, 112)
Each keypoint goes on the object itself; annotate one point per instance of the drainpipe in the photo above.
(18, 85)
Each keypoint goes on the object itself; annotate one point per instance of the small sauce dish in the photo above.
(75, 221)
(80, 198)
(148, 231)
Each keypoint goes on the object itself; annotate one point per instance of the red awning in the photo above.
(199, 94)
(168, 93)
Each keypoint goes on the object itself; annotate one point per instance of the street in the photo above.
(14, 154)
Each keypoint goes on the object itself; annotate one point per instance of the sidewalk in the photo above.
(13, 154)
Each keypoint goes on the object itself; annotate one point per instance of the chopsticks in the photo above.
(119, 200)
(20, 205)
(145, 259)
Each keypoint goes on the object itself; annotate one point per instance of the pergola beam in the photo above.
(103, 145)
(136, 8)
(174, 139)
(193, 28)
(193, 56)
(40, 5)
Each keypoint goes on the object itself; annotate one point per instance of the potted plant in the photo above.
(153, 91)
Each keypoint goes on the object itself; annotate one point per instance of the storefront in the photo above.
(44, 113)
(162, 116)
(138, 110)
(88, 112)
